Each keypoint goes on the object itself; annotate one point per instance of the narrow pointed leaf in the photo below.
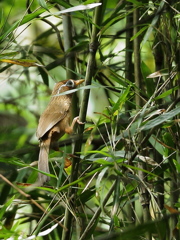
(22, 62)
(78, 8)
(161, 119)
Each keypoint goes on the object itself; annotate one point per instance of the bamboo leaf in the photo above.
(65, 4)
(160, 73)
(78, 8)
(160, 119)
(43, 4)
(153, 24)
(6, 55)
(5, 206)
(22, 62)
(139, 33)
(137, 3)
(167, 93)
(25, 19)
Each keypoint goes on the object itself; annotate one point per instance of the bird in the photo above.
(54, 123)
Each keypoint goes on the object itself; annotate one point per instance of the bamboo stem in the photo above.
(70, 69)
(144, 196)
(77, 148)
(129, 76)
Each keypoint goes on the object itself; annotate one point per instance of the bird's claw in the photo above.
(76, 119)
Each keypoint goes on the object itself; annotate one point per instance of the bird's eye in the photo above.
(70, 83)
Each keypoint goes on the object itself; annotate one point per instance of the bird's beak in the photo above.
(78, 82)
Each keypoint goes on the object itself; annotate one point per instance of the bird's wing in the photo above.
(53, 114)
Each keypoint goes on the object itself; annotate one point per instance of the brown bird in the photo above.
(54, 123)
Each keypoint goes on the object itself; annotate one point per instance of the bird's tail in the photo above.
(43, 163)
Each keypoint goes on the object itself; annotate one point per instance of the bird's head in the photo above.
(66, 85)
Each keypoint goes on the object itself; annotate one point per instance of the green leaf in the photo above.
(25, 19)
(135, 232)
(44, 75)
(177, 16)
(167, 93)
(43, 4)
(87, 195)
(139, 33)
(88, 2)
(65, 4)
(78, 8)
(160, 119)
(149, 82)
(78, 47)
(153, 23)
(104, 162)
(159, 147)
(122, 99)
(177, 165)
(101, 153)
(7, 55)
(100, 177)
(5, 206)
(160, 73)
(139, 169)
(137, 3)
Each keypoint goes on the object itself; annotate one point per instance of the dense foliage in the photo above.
(123, 182)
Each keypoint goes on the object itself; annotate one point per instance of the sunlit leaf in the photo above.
(100, 177)
(88, 2)
(43, 4)
(22, 62)
(78, 8)
(159, 73)
(10, 54)
(43, 233)
(26, 19)
(104, 162)
(177, 16)
(122, 99)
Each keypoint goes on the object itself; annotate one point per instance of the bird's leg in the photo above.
(76, 119)
(69, 129)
